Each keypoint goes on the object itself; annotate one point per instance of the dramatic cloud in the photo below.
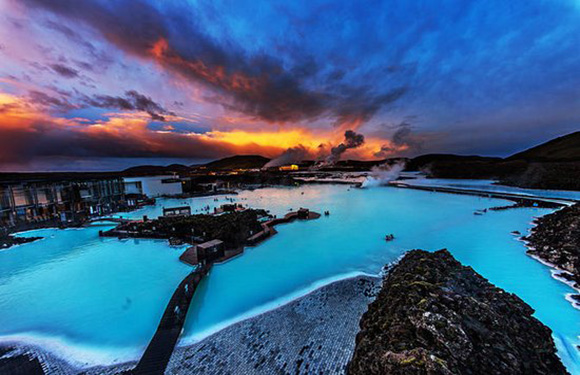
(133, 101)
(403, 142)
(359, 107)
(172, 79)
(257, 85)
(44, 99)
(64, 70)
(27, 135)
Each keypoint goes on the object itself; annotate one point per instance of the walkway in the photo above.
(110, 219)
(156, 356)
(545, 202)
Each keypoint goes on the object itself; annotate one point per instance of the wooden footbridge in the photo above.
(158, 352)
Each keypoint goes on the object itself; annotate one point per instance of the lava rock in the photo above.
(435, 316)
(556, 239)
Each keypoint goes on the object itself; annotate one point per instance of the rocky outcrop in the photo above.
(14, 363)
(233, 228)
(556, 239)
(435, 316)
(9, 241)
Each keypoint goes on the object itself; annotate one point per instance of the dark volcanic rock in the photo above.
(9, 241)
(18, 364)
(233, 228)
(435, 316)
(556, 239)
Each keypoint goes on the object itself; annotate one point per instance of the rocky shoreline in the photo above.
(8, 241)
(435, 316)
(556, 240)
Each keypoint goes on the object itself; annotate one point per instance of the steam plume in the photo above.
(383, 174)
(293, 155)
(352, 139)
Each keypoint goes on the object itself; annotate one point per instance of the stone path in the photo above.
(312, 335)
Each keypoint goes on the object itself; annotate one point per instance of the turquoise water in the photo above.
(301, 257)
(91, 299)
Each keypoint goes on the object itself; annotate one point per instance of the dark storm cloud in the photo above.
(360, 105)
(44, 99)
(132, 101)
(64, 70)
(257, 84)
(403, 138)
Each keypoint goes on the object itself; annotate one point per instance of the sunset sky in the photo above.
(103, 85)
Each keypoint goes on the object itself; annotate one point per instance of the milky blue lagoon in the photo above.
(99, 300)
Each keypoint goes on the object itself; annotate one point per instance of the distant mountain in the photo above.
(238, 162)
(425, 161)
(458, 166)
(156, 169)
(565, 148)
(551, 165)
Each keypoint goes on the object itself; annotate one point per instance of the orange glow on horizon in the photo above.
(281, 139)
(16, 114)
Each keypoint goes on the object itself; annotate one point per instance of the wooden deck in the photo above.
(268, 227)
(189, 256)
(158, 352)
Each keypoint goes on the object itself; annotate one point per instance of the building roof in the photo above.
(211, 243)
(149, 178)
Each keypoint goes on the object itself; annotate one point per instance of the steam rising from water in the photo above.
(293, 155)
(383, 174)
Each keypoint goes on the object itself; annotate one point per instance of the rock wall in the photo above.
(435, 316)
(556, 239)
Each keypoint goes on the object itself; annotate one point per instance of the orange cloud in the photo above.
(28, 133)
(216, 75)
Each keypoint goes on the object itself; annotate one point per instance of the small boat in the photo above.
(389, 237)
